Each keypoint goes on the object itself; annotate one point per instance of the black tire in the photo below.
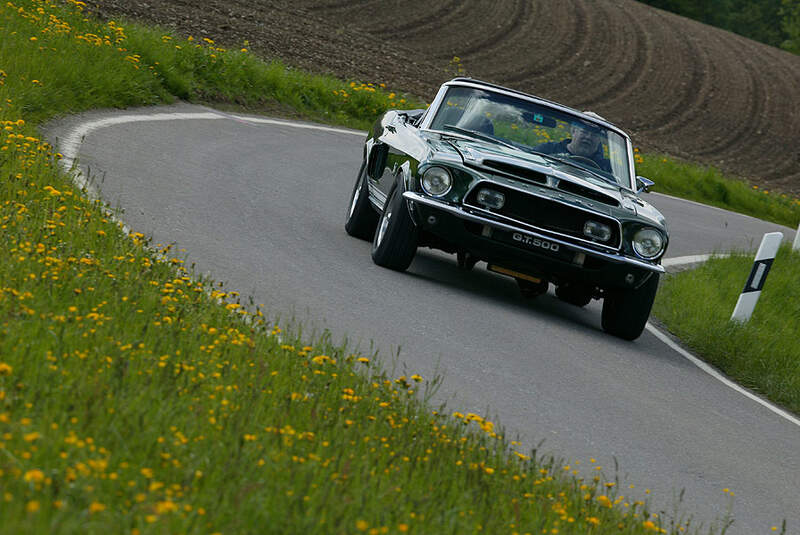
(361, 217)
(625, 312)
(574, 294)
(395, 242)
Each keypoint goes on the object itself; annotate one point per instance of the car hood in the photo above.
(488, 157)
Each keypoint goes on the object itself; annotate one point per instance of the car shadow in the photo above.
(479, 284)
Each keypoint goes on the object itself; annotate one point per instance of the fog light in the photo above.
(491, 199)
(597, 231)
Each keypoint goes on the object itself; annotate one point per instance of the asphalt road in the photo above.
(262, 207)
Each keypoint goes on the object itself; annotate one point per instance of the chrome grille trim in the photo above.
(459, 212)
(523, 191)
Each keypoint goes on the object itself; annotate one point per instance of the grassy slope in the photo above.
(762, 354)
(709, 186)
(696, 305)
(135, 397)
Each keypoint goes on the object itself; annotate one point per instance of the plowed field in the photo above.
(676, 85)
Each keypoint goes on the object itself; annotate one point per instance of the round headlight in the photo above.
(436, 181)
(648, 243)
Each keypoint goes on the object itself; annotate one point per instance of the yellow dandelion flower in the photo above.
(5, 369)
(166, 506)
(32, 506)
(322, 359)
(96, 507)
(603, 501)
(34, 476)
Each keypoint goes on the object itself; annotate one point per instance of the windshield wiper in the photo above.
(572, 164)
(479, 135)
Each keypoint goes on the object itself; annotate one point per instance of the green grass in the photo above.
(709, 185)
(762, 354)
(65, 65)
(136, 397)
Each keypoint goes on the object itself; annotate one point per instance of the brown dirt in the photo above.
(676, 85)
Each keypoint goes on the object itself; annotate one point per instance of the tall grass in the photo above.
(138, 398)
(56, 63)
(709, 185)
(761, 354)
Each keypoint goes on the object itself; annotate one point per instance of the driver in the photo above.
(585, 142)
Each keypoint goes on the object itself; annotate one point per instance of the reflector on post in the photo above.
(758, 275)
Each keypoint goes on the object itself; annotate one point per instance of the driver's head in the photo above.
(585, 140)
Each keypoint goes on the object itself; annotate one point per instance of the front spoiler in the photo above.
(475, 218)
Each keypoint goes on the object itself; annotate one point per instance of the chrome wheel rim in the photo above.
(385, 218)
(356, 195)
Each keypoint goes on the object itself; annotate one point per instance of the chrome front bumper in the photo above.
(476, 218)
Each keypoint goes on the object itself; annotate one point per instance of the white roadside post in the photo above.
(755, 282)
(796, 244)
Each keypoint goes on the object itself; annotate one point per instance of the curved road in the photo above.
(261, 205)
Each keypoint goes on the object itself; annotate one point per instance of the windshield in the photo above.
(556, 135)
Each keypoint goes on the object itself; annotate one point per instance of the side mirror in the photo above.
(643, 184)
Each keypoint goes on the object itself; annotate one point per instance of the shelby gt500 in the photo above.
(539, 191)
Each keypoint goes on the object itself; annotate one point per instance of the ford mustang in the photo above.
(540, 192)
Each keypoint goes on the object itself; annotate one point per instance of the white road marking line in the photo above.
(683, 260)
(693, 259)
(71, 143)
(719, 377)
(262, 120)
(723, 210)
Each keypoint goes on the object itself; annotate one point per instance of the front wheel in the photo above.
(395, 242)
(625, 312)
(361, 218)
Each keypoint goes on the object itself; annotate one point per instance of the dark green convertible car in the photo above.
(540, 192)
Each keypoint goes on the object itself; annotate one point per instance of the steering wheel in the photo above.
(584, 159)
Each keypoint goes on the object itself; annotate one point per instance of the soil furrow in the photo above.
(678, 86)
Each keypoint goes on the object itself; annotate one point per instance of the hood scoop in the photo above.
(537, 177)
(516, 171)
(589, 193)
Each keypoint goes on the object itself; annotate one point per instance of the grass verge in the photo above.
(760, 354)
(135, 397)
(709, 185)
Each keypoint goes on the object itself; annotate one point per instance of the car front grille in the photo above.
(544, 214)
